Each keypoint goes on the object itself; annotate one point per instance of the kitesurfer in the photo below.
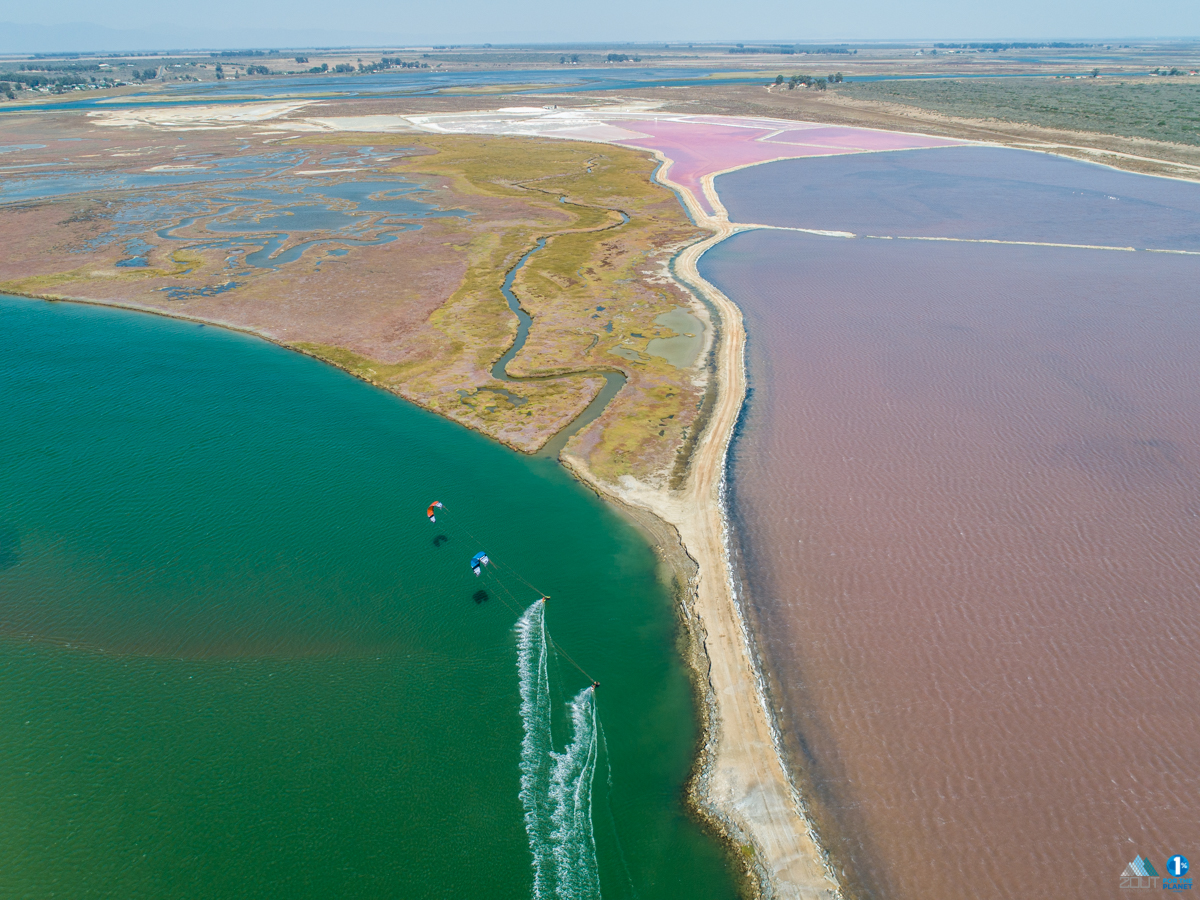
(478, 561)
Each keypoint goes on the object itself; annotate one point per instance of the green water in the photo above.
(682, 349)
(234, 662)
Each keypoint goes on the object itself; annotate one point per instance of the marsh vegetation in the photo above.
(1162, 109)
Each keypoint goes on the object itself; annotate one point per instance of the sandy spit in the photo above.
(742, 783)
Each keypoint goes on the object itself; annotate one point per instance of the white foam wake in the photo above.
(556, 788)
(535, 754)
(571, 791)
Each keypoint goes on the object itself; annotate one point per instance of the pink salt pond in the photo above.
(710, 145)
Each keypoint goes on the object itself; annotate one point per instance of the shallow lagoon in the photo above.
(239, 662)
(354, 213)
(682, 348)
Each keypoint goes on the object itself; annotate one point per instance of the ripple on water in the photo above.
(967, 489)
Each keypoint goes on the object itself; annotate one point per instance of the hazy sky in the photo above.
(476, 21)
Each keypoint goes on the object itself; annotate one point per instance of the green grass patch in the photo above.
(1161, 109)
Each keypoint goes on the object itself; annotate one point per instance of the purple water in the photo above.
(969, 192)
(967, 492)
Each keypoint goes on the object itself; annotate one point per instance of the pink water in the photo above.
(968, 496)
(707, 145)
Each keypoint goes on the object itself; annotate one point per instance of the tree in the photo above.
(779, 79)
(1095, 73)
(301, 59)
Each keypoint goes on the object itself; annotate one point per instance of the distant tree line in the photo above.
(741, 48)
(11, 82)
(23, 81)
(340, 69)
(787, 50)
(61, 67)
(997, 47)
(391, 62)
(809, 81)
(617, 57)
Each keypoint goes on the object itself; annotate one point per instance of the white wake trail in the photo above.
(536, 745)
(571, 790)
(556, 788)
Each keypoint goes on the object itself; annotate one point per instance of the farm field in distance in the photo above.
(1158, 108)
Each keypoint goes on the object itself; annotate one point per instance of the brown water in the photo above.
(967, 491)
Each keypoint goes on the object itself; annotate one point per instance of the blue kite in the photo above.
(478, 561)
